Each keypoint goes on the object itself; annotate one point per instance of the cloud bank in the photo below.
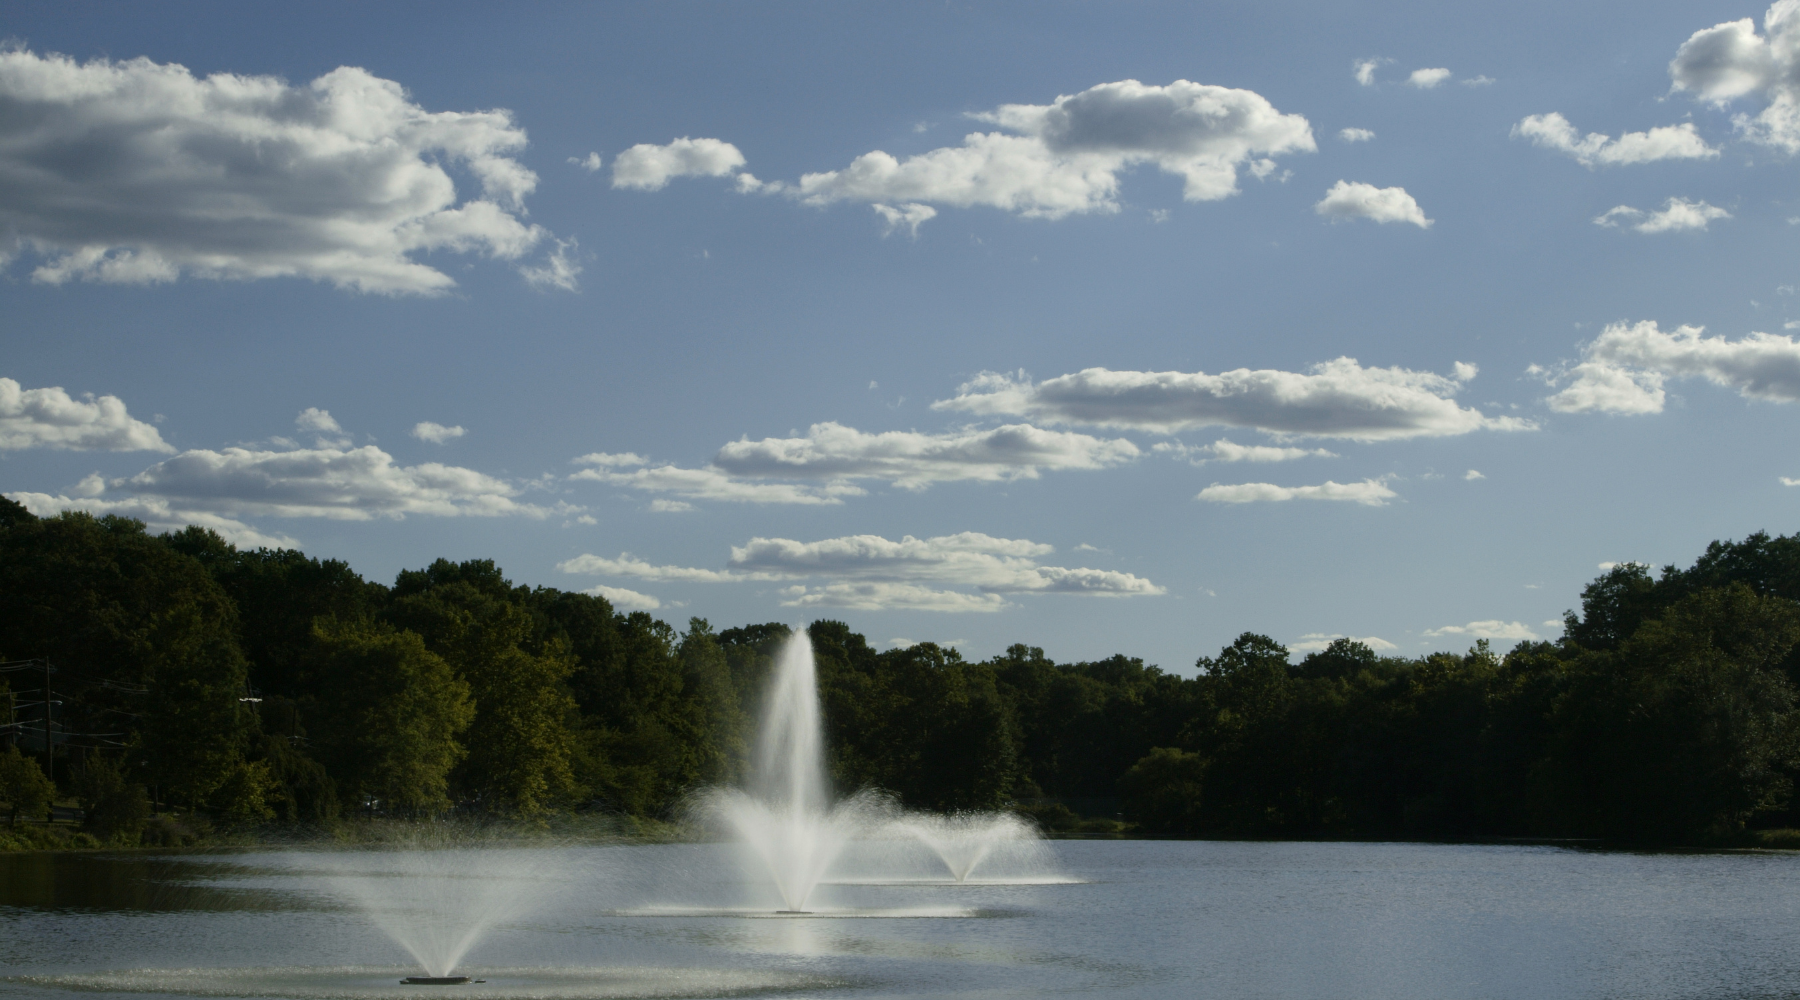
(870, 572)
(51, 418)
(1666, 142)
(1623, 369)
(1369, 492)
(1337, 399)
(1490, 629)
(138, 172)
(1677, 215)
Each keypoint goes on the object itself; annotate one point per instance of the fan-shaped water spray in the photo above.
(962, 841)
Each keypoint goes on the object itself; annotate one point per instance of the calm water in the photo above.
(1137, 919)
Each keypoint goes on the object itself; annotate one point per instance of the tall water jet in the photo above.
(785, 814)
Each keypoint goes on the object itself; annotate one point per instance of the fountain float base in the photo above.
(437, 980)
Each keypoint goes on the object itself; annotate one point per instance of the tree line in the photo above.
(266, 687)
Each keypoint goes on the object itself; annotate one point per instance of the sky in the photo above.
(1105, 328)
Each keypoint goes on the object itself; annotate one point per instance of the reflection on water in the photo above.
(1136, 919)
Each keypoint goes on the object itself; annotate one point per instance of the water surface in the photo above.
(1126, 919)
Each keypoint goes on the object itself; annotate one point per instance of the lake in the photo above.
(1117, 919)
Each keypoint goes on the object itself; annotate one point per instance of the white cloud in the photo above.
(51, 418)
(425, 430)
(908, 217)
(354, 484)
(1052, 160)
(911, 460)
(1665, 142)
(1478, 81)
(1677, 215)
(649, 167)
(1490, 629)
(619, 597)
(630, 565)
(1364, 70)
(890, 597)
(1356, 200)
(1623, 369)
(321, 421)
(590, 163)
(1313, 642)
(871, 572)
(1338, 399)
(1224, 450)
(1355, 134)
(1472, 475)
(1370, 492)
(1425, 79)
(139, 172)
(561, 268)
(670, 506)
(1730, 60)
(157, 516)
(714, 484)
(994, 565)
(604, 459)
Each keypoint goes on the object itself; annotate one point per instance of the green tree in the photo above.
(23, 785)
(1161, 793)
(389, 715)
(1687, 728)
(114, 808)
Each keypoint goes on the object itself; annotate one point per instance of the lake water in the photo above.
(1125, 919)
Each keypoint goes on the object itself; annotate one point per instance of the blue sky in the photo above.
(930, 317)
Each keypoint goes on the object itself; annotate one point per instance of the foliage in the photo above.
(251, 687)
(24, 787)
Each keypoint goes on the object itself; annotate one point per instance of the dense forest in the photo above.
(255, 689)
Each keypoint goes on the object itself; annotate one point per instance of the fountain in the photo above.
(437, 901)
(785, 817)
(962, 841)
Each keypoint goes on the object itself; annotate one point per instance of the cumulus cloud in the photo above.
(1425, 79)
(1677, 215)
(706, 484)
(139, 172)
(1666, 142)
(560, 268)
(590, 163)
(1472, 475)
(321, 421)
(889, 597)
(648, 167)
(1052, 160)
(1355, 134)
(51, 418)
(1224, 450)
(1313, 642)
(620, 597)
(1730, 60)
(1623, 369)
(1337, 399)
(908, 217)
(158, 516)
(1356, 200)
(871, 572)
(1490, 629)
(1364, 70)
(1370, 492)
(353, 484)
(630, 565)
(995, 565)
(911, 460)
(425, 430)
